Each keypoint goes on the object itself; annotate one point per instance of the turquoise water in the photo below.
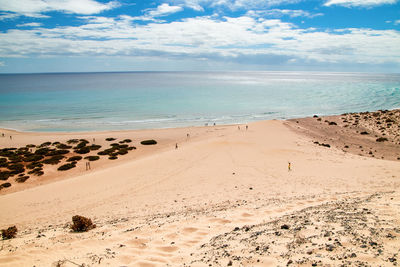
(139, 100)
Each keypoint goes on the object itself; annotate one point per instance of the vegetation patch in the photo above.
(381, 139)
(67, 166)
(73, 141)
(22, 179)
(149, 142)
(112, 157)
(5, 185)
(83, 150)
(94, 147)
(74, 158)
(81, 224)
(110, 139)
(9, 233)
(92, 158)
(4, 175)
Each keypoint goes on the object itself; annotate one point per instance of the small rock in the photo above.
(285, 226)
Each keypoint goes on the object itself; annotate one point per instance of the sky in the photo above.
(38, 36)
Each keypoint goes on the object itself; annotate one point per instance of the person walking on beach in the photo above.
(289, 166)
(176, 146)
(247, 127)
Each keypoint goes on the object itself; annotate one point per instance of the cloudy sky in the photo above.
(199, 35)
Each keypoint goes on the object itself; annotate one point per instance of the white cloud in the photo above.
(164, 10)
(359, 3)
(34, 8)
(31, 24)
(2, 63)
(207, 37)
(232, 4)
(397, 22)
(6, 16)
(282, 12)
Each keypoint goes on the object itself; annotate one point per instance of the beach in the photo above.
(220, 195)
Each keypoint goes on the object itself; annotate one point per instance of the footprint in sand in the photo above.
(168, 248)
(245, 214)
(189, 230)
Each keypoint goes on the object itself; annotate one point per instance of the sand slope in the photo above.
(167, 208)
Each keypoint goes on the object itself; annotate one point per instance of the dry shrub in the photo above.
(81, 224)
(9, 233)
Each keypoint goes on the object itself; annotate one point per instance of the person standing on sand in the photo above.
(289, 166)
(247, 127)
(176, 146)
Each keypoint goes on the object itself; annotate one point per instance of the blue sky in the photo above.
(199, 35)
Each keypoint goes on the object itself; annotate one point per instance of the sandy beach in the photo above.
(223, 197)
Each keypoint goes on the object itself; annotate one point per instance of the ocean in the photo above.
(64, 102)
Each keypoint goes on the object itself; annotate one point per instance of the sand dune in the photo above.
(191, 206)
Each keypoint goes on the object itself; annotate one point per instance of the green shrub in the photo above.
(94, 147)
(74, 158)
(34, 165)
(63, 146)
(81, 224)
(80, 145)
(4, 175)
(73, 141)
(33, 157)
(123, 151)
(149, 142)
(5, 185)
(45, 144)
(110, 139)
(22, 179)
(66, 166)
(83, 150)
(43, 151)
(58, 152)
(9, 233)
(113, 157)
(92, 158)
(381, 139)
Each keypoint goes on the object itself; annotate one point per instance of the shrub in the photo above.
(59, 152)
(37, 171)
(94, 147)
(66, 166)
(45, 144)
(84, 141)
(114, 145)
(113, 157)
(73, 141)
(108, 151)
(53, 160)
(33, 157)
(81, 224)
(43, 151)
(149, 142)
(22, 179)
(63, 146)
(131, 148)
(30, 145)
(364, 133)
(4, 185)
(80, 145)
(34, 165)
(9, 233)
(332, 123)
(74, 158)
(110, 139)
(92, 158)
(4, 175)
(123, 151)
(123, 146)
(83, 150)
(16, 168)
(381, 139)
(126, 141)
